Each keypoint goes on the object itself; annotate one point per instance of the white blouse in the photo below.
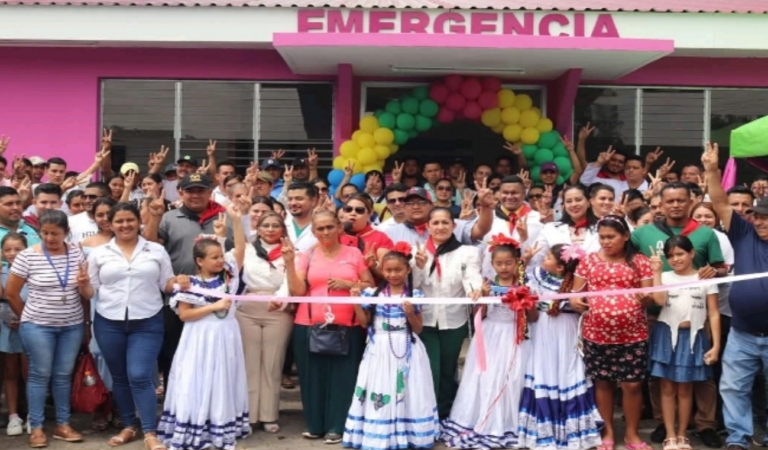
(258, 275)
(460, 275)
(501, 226)
(555, 233)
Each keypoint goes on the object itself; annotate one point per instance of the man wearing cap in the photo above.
(302, 170)
(275, 169)
(177, 231)
(171, 183)
(262, 186)
(186, 165)
(38, 169)
(418, 204)
(136, 192)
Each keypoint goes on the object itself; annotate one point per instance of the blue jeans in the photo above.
(742, 359)
(52, 352)
(130, 348)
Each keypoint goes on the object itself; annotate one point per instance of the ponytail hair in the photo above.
(568, 258)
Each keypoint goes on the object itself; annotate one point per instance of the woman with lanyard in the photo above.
(576, 226)
(445, 269)
(265, 327)
(328, 340)
(55, 321)
(357, 224)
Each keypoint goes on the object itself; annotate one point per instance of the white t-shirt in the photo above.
(685, 304)
(725, 288)
(80, 227)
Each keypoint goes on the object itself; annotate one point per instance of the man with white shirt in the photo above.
(608, 170)
(83, 225)
(395, 195)
(302, 199)
(223, 170)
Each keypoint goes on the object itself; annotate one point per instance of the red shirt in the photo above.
(616, 319)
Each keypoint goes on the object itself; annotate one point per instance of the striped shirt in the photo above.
(47, 303)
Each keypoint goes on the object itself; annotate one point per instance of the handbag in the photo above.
(328, 338)
(88, 391)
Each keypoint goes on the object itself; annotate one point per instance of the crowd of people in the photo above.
(207, 286)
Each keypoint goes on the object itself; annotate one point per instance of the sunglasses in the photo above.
(535, 196)
(357, 209)
(392, 201)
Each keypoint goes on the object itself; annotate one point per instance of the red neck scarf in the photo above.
(368, 228)
(514, 217)
(211, 211)
(580, 224)
(421, 228)
(275, 253)
(450, 245)
(690, 227)
(604, 174)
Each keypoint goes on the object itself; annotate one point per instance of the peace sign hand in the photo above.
(652, 157)
(420, 257)
(526, 177)
(657, 265)
(312, 158)
(102, 154)
(513, 148)
(157, 205)
(83, 280)
(106, 138)
(211, 149)
(530, 252)
(567, 143)
(4, 141)
(397, 172)
(129, 179)
(606, 156)
(278, 154)
(370, 257)
(288, 175)
(710, 157)
(461, 181)
(203, 169)
(585, 131)
(522, 229)
(220, 226)
(484, 194)
(288, 251)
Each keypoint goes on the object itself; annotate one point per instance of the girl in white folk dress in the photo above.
(394, 406)
(558, 409)
(206, 405)
(486, 411)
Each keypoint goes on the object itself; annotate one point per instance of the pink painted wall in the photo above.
(49, 101)
(698, 72)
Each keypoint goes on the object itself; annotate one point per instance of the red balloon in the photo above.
(491, 84)
(455, 101)
(472, 110)
(445, 115)
(459, 116)
(471, 88)
(453, 82)
(439, 93)
(488, 100)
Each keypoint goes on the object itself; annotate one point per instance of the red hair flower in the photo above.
(403, 248)
(502, 239)
(520, 299)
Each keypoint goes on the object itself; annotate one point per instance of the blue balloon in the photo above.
(358, 180)
(335, 177)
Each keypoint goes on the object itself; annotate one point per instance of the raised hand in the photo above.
(159, 157)
(129, 179)
(484, 194)
(657, 265)
(350, 168)
(522, 229)
(461, 181)
(68, 184)
(312, 158)
(652, 157)
(567, 143)
(513, 148)
(620, 209)
(370, 256)
(371, 181)
(25, 189)
(4, 141)
(421, 256)
(288, 251)
(586, 131)
(278, 154)
(106, 138)
(605, 156)
(83, 280)
(526, 177)
(703, 182)
(102, 154)
(211, 149)
(203, 169)
(220, 226)
(397, 172)
(530, 252)
(288, 175)
(241, 206)
(467, 211)
(157, 205)
(710, 158)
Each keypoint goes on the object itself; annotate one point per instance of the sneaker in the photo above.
(659, 434)
(758, 435)
(332, 438)
(15, 427)
(710, 438)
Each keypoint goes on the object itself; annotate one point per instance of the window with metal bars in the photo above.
(673, 120)
(612, 112)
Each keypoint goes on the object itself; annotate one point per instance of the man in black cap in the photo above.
(186, 165)
(275, 169)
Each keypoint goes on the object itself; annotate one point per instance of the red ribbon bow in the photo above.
(520, 300)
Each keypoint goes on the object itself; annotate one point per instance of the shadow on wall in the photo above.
(472, 141)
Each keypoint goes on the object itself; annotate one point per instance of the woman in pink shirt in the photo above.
(327, 378)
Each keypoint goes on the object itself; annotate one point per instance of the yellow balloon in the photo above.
(491, 117)
(367, 156)
(370, 167)
(530, 136)
(356, 135)
(382, 152)
(544, 125)
(538, 111)
(529, 118)
(357, 167)
(349, 149)
(369, 124)
(393, 148)
(383, 136)
(523, 102)
(506, 98)
(512, 132)
(499, 127)
(510, 115)
(366, 140)
(339, 162)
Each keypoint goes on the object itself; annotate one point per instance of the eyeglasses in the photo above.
(419, 203)
(274, 226)
(535, 196)
(444, 188)
(392, 201)
(91, 197)
(357, 209)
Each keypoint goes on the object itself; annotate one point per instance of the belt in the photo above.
(756, 333)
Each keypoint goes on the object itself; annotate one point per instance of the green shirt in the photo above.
(704, 240)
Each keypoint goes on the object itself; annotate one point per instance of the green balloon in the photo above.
(393, 106)
(423, 123)
(549, 139)
(560, 180)
(529, 150)
(558, 150)
(378, 113)
(387, 120)
(563, 164)
(429, 108)
(535, 173)
(412, 133)
(421, 92)
(410, 105)
(543, 155)
(405, 121)
(401, 136)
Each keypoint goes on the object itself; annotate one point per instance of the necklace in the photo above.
(388, 293)
(225, 278)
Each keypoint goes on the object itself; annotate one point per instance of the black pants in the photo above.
(288, 364)
(173, 328)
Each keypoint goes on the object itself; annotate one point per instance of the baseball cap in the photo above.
(187, 159)
(170, 168)
(300, 162)
(761, 207)
(266, 177)
(418, 192)
(549, 166)
(270, 163)
(37, 161)
(194, 180)
(127, 167)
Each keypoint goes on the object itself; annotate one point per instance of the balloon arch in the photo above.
(453, 98)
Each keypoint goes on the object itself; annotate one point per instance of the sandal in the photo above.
(158, 446)
(637, 446)
(683, 443)
(287, 383)
(308, 435)
(670, 444)
(121, 439)
(271, 427)
(606, 445)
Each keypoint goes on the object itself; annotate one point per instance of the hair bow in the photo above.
(572, 252)
(403, 248)
(501, 239)
(520, 299)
